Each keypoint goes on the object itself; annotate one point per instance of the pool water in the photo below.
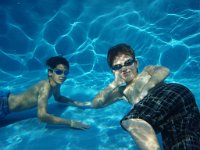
(161, 32)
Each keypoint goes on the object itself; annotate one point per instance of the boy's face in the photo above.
(59, 74)
(125, 66)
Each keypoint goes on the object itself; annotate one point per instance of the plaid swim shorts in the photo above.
(171, 109)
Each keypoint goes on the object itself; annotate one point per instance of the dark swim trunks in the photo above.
(171, 109)
(4, 109)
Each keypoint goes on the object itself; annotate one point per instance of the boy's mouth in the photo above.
(126, 73)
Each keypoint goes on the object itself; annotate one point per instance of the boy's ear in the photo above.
(112, 71)
(50, 73)
(137, 63)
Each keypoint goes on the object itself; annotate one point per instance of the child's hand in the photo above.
(85, 105)
(118, 81)
(78, 125)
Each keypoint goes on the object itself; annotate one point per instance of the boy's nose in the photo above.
(124, 68)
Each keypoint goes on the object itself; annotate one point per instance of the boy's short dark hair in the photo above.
(56, 60)
(119, 49)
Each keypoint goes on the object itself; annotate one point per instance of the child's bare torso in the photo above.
(29, 98)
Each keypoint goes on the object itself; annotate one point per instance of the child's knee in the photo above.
(133, 124)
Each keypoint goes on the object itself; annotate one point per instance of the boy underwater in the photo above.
(38, 95)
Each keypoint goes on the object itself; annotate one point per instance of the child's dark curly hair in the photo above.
(56, 60)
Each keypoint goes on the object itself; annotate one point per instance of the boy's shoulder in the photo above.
(42, 83)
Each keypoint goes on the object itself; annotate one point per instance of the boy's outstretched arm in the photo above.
(71, 102)
(44, 116)
(109, 94)
(62, 99)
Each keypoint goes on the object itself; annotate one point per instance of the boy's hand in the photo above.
(78, 125)
(118, 81)
(85, 104)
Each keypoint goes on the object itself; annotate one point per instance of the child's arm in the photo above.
(157, 74)
(44, 116)
(109, 94)
(62, 99)
(71, 102)
(134, 89)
